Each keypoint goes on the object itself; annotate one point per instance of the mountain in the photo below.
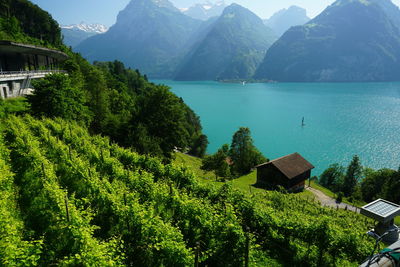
(89, 28)
(232, 48)
(350, 41)
(148, 35)
(76, 33)
(282, 20)
(205, 11)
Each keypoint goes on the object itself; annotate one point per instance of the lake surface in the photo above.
(341, 119)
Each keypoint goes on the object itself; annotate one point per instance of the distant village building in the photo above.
(20, 63)
(290, 172)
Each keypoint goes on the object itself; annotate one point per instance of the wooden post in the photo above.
(69, 152)
(66, 205)
(247, 248)
(44, 173)
(127, 221)
(196, 259)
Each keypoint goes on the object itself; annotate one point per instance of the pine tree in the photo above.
(243, 152)
(353, 176)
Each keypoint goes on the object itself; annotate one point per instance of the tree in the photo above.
(352, 177)
(218, 163)
(332, 178)
(372, 185)
(391, 188)
(199, 146)
(162, 114)
(54, 96)
(243, 152)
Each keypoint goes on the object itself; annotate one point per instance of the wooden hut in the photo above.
(290, 172)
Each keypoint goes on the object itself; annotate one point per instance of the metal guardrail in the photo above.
(10, 74)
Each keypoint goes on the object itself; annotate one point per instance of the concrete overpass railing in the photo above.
(18, 83)
(18, 75)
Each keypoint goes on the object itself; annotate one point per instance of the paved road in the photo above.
(330, 202)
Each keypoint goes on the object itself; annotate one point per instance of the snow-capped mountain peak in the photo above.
(205, 10)
(90, 28)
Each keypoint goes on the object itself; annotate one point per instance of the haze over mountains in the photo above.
(352, 40)
(157, 38)
(232, 49)
(74, 34)
(148, 35)
(205, 10)
(282, 20)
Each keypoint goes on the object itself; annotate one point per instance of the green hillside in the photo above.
(23, 21)
(76, 199)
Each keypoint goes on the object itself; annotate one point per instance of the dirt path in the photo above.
(330, 202)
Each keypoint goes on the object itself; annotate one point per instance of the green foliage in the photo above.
(362, 185)
(332, 177)
(110, 99)
(237, 159)
(218, 163)
(22, 21)
(136, 113)
(199, 146)
(128, 209)
(14, 250)
(352, 177)
(243, 153)
(55, 96)
(384, 183)
(160, 116)
(13, 106)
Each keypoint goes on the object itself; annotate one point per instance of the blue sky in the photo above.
(106, 11)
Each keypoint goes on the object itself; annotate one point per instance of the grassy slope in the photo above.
(244, 183)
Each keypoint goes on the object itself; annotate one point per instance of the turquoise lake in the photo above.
(341, 119)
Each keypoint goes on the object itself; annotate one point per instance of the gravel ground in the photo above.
(330, 202)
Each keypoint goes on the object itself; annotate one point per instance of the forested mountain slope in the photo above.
(148, 35)
(233, 47)
(284, 19)
(351, 41)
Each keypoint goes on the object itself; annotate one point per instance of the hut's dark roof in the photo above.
(7, 47)
(291, 165)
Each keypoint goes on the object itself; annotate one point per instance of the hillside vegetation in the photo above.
(70, 198)
(22, 21)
